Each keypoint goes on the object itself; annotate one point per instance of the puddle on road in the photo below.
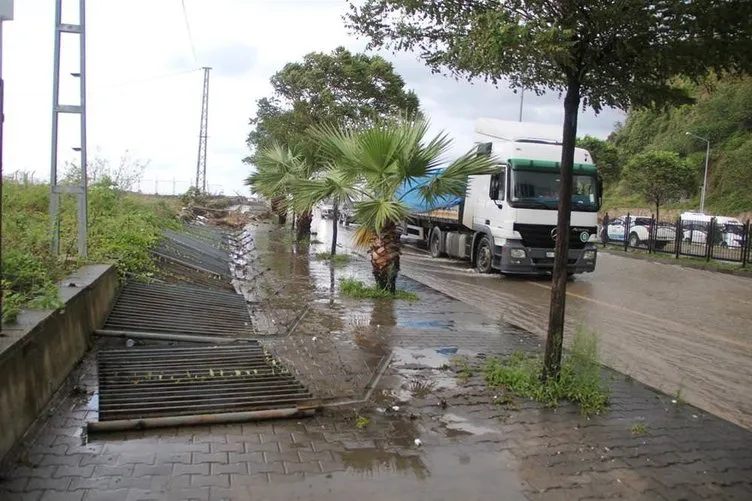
(460, 424)
(380, 461)
(422, 371)
(426, 324)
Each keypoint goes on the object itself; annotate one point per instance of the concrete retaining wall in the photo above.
(38, 352)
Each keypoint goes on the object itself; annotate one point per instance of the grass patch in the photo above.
(336, 260)
(122, 229)
(698, 262)
(639, 429)
(354, 288)
(462, 367)
(580, 381)
(362, 422)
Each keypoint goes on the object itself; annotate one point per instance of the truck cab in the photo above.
(516, 209)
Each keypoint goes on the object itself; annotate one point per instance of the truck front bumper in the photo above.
(515, 259)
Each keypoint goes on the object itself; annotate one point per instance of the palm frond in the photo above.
(278, 169)
(333, 185)
(376, 213)
(363, 237)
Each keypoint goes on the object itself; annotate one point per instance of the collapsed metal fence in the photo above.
(197, 247)
(140, 388)
(713, 239)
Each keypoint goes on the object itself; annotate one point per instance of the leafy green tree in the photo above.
(620, 54)
(341, 88)
(375, 164)
(659, 177)
(722, 113)
(605, 155)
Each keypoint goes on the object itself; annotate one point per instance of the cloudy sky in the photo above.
(144, 89)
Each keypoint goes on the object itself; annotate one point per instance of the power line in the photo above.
(147, 79)
(188, 30)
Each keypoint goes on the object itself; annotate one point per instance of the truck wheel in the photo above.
(483, 256)
(435, 243)
(634, 240)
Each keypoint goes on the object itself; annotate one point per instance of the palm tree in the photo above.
(382, 165)
(279, 169)
(332, 184)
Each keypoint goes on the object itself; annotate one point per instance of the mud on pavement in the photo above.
(431, 430)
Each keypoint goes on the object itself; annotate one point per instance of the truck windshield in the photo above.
(538, 189)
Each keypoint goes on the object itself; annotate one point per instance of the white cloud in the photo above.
(130, 44)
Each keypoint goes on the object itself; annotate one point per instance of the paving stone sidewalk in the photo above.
(475, 443)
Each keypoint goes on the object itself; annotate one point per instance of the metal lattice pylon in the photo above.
(203, 134)
(80, 187)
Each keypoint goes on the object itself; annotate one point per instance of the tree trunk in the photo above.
(555, 337)
(303, 224)
(335, 227)
(385, 258)
(279, 210)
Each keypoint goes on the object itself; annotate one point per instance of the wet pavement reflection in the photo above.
(680, 330)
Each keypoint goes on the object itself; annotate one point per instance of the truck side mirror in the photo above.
(600, 191)
(484, 149)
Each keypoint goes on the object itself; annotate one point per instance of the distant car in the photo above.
(327, 211)
(728, 231)
(640, 231)
(346, 216)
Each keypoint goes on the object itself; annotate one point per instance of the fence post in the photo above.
(627, 224)
(709, 240)
(679, 237)
(652, 234)
(745, 244)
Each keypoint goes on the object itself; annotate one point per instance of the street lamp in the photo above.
(705, 178)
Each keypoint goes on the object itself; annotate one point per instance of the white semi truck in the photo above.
(507, 220)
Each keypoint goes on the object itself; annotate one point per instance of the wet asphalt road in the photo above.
(685, 332)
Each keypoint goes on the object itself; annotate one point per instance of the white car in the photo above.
(640, 230)
(695, 226)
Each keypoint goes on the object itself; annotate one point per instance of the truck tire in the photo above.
(434, 244)
(483, 256)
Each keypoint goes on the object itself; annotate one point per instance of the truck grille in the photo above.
(539, 235)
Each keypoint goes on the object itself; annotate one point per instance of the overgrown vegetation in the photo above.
(122, 228)
(336, 259)
(580, 380)
(354, 288)
(722, 114)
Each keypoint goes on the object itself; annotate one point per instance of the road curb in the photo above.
(677, 262)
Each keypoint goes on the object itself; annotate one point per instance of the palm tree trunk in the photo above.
(279, 210)
(385, 258)
(335, 227)
(303, 224)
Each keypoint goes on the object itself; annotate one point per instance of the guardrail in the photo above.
(707, 240)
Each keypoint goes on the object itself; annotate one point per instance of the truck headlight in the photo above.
(588, 255)
(517, 253)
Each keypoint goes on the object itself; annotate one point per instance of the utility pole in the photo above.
(522, 97)
(6, 14)
(705, 176)
(201, 161)
(79, 190)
